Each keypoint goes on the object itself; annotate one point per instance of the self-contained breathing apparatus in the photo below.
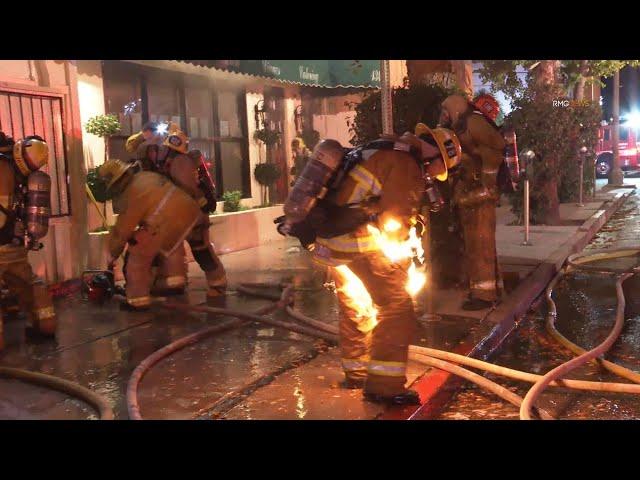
(310, 214)
(28, 214)
(205, 182)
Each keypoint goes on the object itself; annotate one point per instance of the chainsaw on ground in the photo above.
(98, 286)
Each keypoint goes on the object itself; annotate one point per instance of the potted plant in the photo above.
(266, 174)
(103, 126)
(99, 237)
(232, 201)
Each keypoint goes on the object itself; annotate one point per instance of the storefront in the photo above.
(219, 104)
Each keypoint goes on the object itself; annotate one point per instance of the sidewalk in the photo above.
(311, 392)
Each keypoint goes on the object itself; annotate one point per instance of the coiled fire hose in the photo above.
(100, 403)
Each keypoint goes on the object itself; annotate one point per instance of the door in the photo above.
(274, 119)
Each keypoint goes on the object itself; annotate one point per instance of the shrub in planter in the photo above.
(97, 186)
(232, 201)
(266, 175)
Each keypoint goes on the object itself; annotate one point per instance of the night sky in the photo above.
(629, 92)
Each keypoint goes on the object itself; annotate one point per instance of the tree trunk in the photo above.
(546, 77)
(579, 89)
(578, 93)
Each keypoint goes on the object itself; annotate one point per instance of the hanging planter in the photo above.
(267, 136)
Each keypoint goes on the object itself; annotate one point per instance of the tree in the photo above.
(103, 126)
(553, 133)
(411, 104)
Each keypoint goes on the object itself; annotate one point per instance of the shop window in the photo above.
(164, 102)
(25, 114)
(214, 120)
(122, 88)
(233, 164)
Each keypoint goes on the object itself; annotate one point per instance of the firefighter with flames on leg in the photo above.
(347, 207)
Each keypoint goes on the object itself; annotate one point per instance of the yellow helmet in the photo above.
(447, 143)
(112, 170)
(30, 154)
(176, 139)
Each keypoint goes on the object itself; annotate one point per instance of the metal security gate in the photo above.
(24, 114)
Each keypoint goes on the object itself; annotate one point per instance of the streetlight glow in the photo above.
(632, 120)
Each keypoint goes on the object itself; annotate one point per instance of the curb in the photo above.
(437, 387)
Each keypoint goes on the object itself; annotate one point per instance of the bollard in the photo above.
(529, 155)
(580, 204)
(526, 213)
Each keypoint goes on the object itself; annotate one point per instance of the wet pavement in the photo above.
(252, 372)
(99, 347)
(586, 306)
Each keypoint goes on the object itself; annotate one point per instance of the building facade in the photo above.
(219, 104)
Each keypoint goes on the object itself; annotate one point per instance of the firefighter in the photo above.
(475, 196)
(186, 170)
(155, 218)
(148, 134)
(388, 176)
(24, 217)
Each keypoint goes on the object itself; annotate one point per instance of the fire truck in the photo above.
(628, 146)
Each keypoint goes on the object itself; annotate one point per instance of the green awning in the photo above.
(322, 73)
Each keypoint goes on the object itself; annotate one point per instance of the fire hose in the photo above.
(100, 403)
(442, 359)
(580, 262)
(432, 357)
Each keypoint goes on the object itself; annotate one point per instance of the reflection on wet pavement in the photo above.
(586, 308)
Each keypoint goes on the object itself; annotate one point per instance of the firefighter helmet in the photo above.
(448, 144)
(30, 154)
(487, 105)
(453, 107)
(112, 170)
(176, 139)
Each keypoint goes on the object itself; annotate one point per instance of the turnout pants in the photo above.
(479, 231)
(172, 272)
(138, 271)
(378, 352)
(32, 294)
(205, 255)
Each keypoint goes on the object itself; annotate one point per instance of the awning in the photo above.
(320, 73)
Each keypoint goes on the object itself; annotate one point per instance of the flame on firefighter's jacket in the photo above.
(396, 250)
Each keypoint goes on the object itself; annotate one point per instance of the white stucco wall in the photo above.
(257, 153)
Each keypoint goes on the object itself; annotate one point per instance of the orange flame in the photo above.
(396, 250)
(359, 297)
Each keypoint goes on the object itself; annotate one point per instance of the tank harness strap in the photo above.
(355, 156)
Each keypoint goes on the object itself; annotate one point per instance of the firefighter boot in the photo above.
(205, 255)
(408, 397)
(474, 304)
